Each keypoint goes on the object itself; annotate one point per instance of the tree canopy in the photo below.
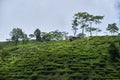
(86, 20)
(37, 34)
(16, 34)
(112, 28)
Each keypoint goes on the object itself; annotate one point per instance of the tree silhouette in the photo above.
(86, 20)
(37, 34)
(112, 28)
(94, 19)
(80, 18)
(16, 34)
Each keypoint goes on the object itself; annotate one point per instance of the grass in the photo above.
(60, 60)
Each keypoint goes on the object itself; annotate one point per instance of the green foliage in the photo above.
(81, 35)
(74, 26)
(34, 77)
(31, 35)
(3, 54)
(85, 20)
(112, 28)
(17, 34)
(54, 35)
(57, 35)
(113, 52)
(84, 59)
(46, 36)
(3, 44)
(37, 34)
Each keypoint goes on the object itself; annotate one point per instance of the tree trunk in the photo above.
(75, 31)
(83, 31)
(16, 42)
(96, 32)
(90, 28)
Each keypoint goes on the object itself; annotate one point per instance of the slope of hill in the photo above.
(60, 60)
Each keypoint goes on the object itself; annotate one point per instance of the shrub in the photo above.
(4, 54)
(34, 76)
(113, 52)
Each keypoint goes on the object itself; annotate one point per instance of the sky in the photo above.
(50, 15)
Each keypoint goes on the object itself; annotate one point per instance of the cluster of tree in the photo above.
(82, 19)
(53, 35)
(17, 34)
(86, 21)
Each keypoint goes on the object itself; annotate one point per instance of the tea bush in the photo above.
(61, 60)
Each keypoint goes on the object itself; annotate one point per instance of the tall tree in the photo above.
(85, 19)
(37, 34)
(74, 27)
(112, 28)
(90, 29)
(16, 34)
(80, 18)
(93, 19)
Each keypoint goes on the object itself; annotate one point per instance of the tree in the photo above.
(98, 30)
(25, 38)
(16, 34)
(46, 36)
(112, 28)
(57, 35)
(80, 18)
(93, 19)
(85, 19)
(31, 35)
(37, 34)
(74, 27)
(90, 29)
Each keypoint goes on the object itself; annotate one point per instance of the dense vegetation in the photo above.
(62, 60)
(51, 56)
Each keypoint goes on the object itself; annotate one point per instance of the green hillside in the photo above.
(61, 60)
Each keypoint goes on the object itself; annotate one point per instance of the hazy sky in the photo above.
(49, 15)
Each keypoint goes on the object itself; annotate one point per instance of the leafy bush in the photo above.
(34, 76)
(113, 52)
(4, 54)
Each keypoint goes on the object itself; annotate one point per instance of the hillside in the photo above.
(60, 60)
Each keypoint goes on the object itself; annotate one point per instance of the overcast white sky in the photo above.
(49, 15)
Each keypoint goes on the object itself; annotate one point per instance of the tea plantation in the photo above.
(85, 59)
